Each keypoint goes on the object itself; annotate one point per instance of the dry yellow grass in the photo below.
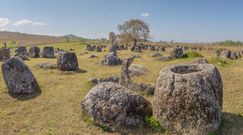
(57, 110)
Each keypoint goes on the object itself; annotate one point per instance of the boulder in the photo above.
(93, 56)
(4, 54)
(113, 49)
(48, 52)
(90, 48)
(225, 54)
(141, 87)
(115, 107)
(137, 70)
(127, 82)
(177, 52)
(111, 60)
(99, 48)
(138, 48)
(58, 50)
(200, 61)
(217, 52)
(164, 58)
(152, 48)
(188, 99)
(21, 49)
(234, 55)
(19, 78)
(67, 61)
(22, 53)
(162, 49)
(136, 55)
(34, 52)
(155, 54)
(112, 78)
(125, 72)
(46, 65)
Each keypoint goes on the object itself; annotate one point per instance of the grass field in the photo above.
(57, 110)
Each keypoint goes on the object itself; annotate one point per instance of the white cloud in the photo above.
(22, 22)
(4, 22)
(145, 14)
(39, 24)
(26, 22)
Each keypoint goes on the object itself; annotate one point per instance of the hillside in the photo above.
(72, 37)
(26, 39)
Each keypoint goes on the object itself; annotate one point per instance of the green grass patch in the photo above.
(220, 62)
(192, 54)
(154, 124)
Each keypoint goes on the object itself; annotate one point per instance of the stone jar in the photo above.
(188, 99)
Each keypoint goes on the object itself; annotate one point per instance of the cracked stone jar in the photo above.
(188, 99)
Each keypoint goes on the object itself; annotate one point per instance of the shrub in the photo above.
(219, 61)
(153, 123)
(193, 54)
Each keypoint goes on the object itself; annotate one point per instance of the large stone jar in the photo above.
(67, 61)
(188, 99)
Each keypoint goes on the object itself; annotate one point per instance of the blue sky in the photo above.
(179, 20)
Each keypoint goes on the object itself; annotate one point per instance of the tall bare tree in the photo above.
(135, 30)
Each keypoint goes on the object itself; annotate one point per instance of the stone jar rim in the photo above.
(186, 69)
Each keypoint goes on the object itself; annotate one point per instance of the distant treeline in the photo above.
(229, 42)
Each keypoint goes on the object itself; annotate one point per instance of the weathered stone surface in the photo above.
(21, 49)
(112, 78)
(136, 55)
(137, 48)
(18, 77)
(217, 52)
(48, 52)
(34, 52)
(113, 106)
(126, 81)
(200, 61)
(90, 47)
(228, 54)
(162, 49)
(137, 70)
(225, 54)
(177, 52)
(234, 55)
(146, 88)
(111, 59)
(113, 49)
(22, 53)
(58, 50)
(99, 48)
(125, 72)
(155, 54)
(46, 65)
(93, 56)
(164, 58)
(188, 99)
(67, 61)
(4, 54)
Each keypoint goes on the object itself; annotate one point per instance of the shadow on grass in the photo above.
(72, 72)
(231, 124)
(25, 97)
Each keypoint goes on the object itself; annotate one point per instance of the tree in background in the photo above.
(124, 38)
(112, 38)
(134, 30)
